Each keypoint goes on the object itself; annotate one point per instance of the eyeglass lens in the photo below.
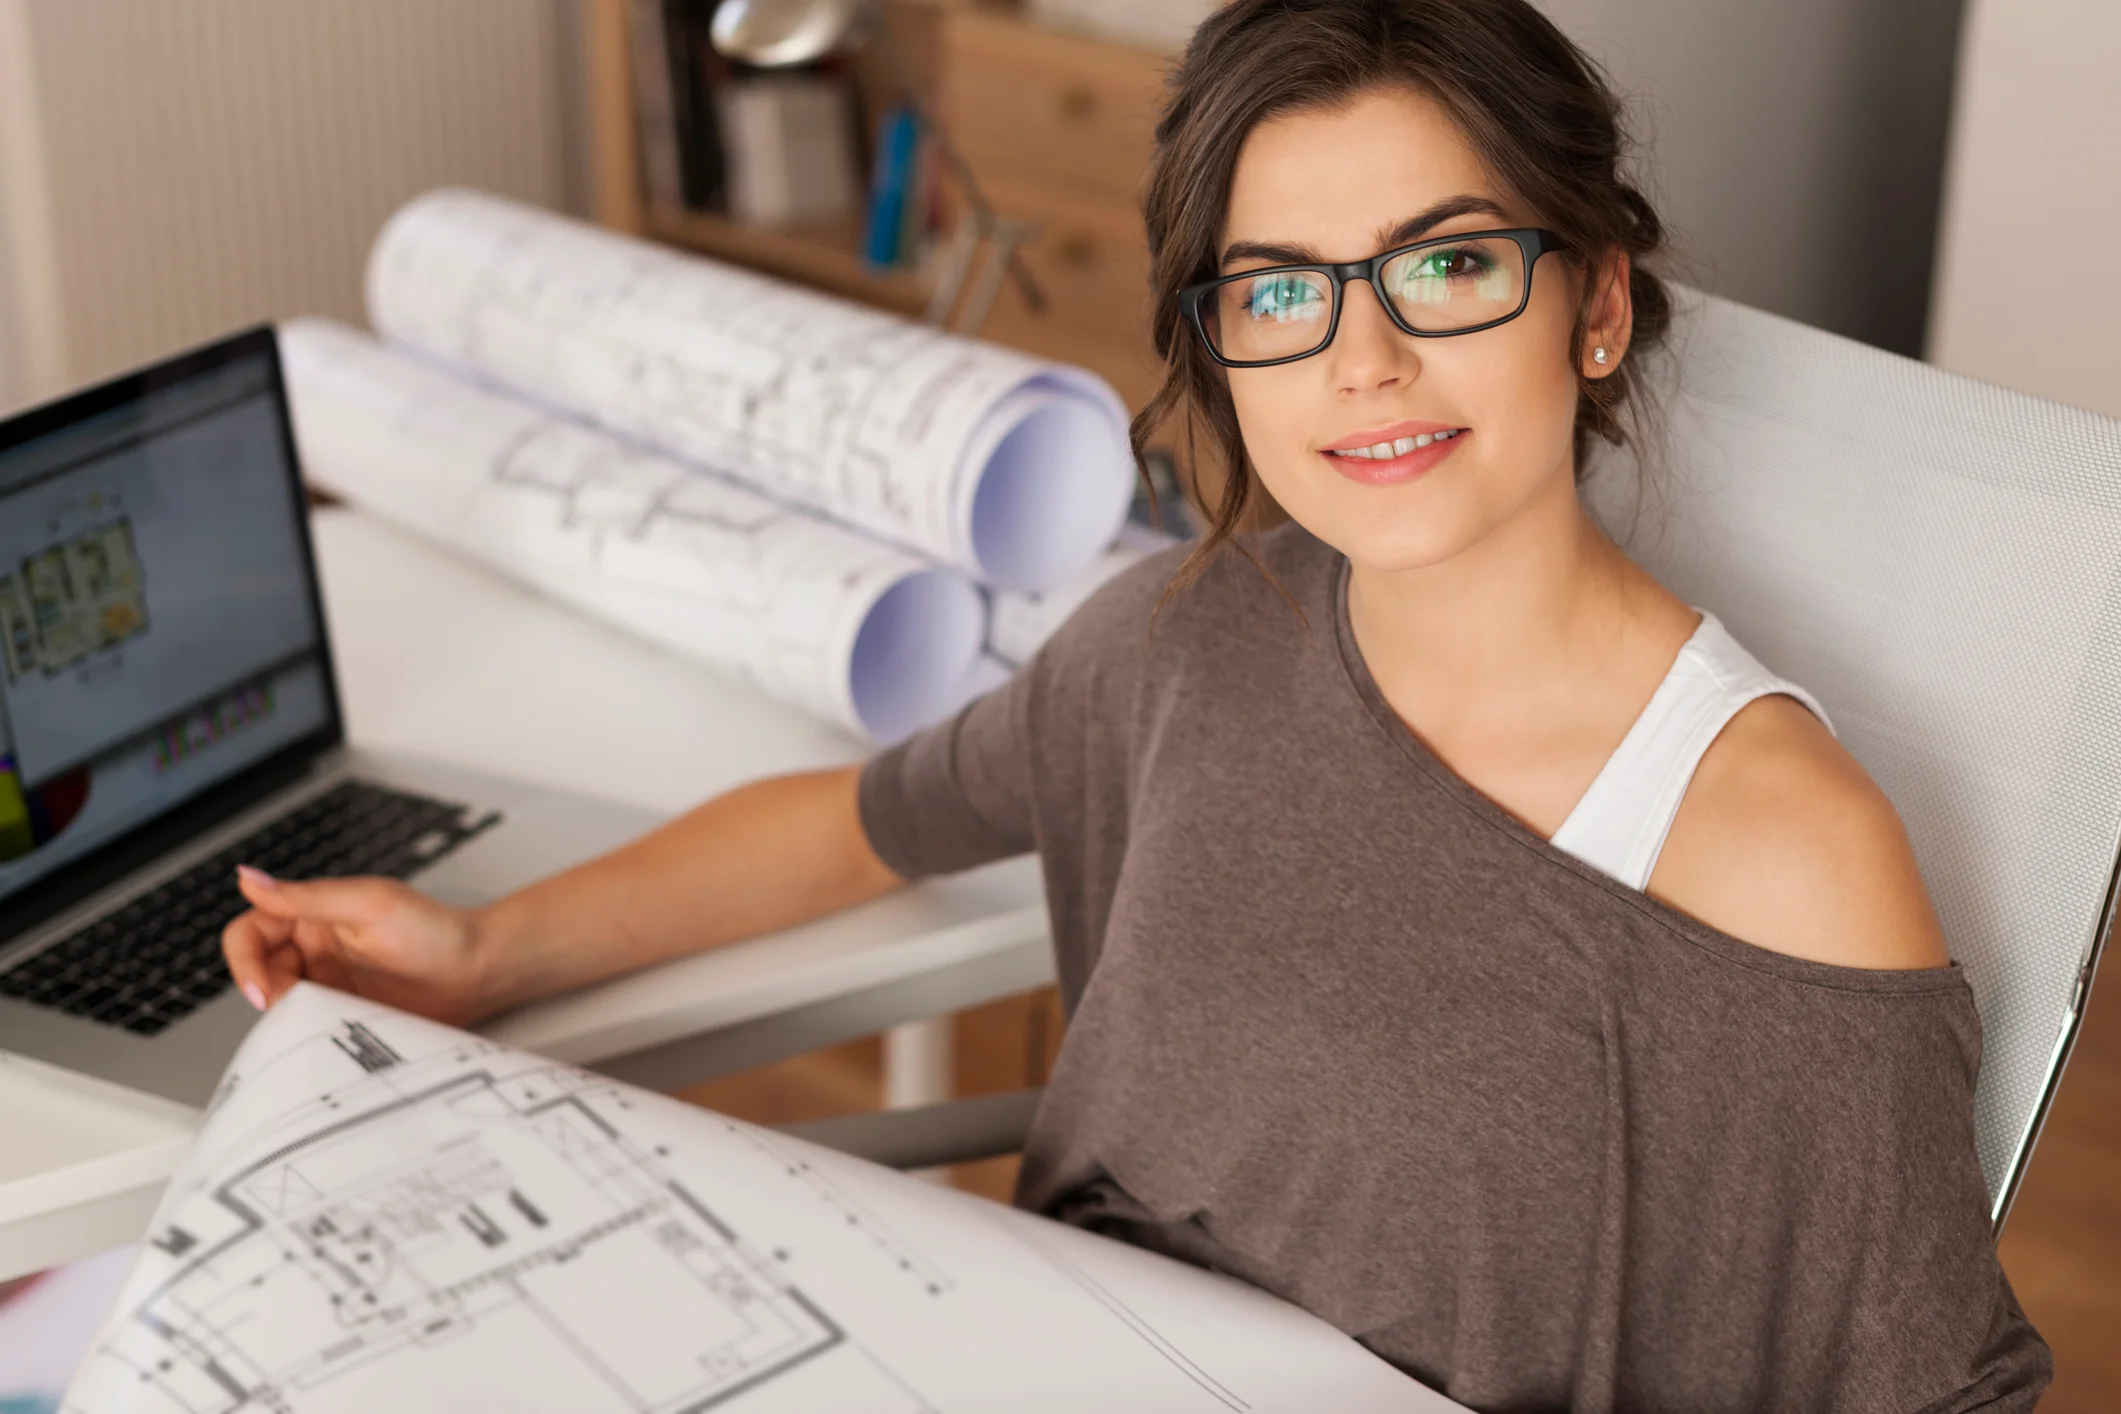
(1435, 289)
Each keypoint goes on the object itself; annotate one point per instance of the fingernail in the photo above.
(256, 876)
(255, 996)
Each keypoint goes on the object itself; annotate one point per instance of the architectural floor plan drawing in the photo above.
(80, 597)
(329, 1267)
(1014, 470)
(445, 1219)
(385, 1213)
(838, 624)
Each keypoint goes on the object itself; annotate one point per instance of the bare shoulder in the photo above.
(1784, 841)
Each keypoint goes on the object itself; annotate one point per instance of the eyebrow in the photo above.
(1388, 237)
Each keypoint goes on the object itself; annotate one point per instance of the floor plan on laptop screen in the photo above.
(73, 599)
(384, 1213)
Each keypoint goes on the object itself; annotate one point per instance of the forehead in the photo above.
(1331, 178)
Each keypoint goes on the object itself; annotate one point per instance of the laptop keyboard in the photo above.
(158, 959)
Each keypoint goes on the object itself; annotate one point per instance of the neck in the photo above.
(1527, 614)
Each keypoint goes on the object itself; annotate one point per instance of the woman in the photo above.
(1433, 959)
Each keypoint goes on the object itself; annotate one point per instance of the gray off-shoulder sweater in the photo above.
(1341, 1026)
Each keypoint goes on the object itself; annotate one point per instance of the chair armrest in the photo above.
(954, 1132)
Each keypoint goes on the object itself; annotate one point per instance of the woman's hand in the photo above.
(373, 937)
(764, 856)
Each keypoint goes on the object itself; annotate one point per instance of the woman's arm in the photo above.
(767, 855)
(764, 856)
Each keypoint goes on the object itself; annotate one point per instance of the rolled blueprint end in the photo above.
(1056, 483)
(1008, 467)
(1017, 624)
(918, 644)
(855, 631)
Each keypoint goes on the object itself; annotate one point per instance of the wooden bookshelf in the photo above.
(1057, 126)
(827, 257)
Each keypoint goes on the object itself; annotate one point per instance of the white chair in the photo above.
(1940, 562)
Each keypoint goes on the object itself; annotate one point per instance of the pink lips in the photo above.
(1397, 469)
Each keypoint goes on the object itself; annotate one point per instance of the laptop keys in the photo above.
(158, 959)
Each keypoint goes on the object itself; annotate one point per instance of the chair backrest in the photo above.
(1940, 562)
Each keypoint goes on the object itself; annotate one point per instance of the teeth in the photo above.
(1385, 451)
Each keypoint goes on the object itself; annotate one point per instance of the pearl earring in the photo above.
(1598, 354)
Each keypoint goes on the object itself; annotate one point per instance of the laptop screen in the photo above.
(158, 629)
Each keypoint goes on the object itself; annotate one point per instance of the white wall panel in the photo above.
(2028, 290)
(182, 169)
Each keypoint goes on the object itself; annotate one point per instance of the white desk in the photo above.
(442, 659)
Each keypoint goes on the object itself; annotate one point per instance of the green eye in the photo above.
(1478, 271)
(1450, 263)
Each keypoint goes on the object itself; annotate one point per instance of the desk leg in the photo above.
(920, 1069)
(919, 1061)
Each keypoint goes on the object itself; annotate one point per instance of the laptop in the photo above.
(168, 710)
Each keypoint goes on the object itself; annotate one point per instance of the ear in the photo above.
(1609, 315)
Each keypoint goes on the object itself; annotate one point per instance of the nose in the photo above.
(1369, 351)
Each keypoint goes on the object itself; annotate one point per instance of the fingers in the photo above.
(356, 901)
(289, 933)
(324, 954)
(262, 956)
(284, 966)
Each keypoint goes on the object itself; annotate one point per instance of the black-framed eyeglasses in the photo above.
(1431, 289)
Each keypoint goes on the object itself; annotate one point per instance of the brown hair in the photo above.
(1536, 109)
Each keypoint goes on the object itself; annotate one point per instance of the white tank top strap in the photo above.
(1620, 824)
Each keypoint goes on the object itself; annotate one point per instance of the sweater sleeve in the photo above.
(958, 794)
(1805, 1183)
(2009, 1371)
(1012, 769)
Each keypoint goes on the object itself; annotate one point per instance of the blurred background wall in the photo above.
(2028, 289)
(172, 171)
(1796, 148)
(169, 171)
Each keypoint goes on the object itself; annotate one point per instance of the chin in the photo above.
(1386, 533)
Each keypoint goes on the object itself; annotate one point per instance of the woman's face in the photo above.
(1342, 184)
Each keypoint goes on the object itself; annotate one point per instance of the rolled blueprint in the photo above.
(845, 627)
(1010, 468)
(382, 1213)
(1020, 622)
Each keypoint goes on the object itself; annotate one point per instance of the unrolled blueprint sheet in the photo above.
(1013, 469)
(385, 1213)
(830, 621)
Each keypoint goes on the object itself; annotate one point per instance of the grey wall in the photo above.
(1795, 146)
